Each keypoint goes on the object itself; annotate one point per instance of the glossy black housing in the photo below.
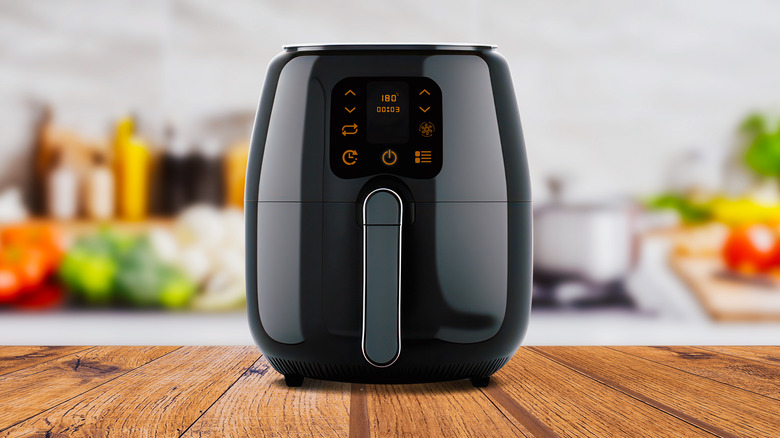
(466, 255)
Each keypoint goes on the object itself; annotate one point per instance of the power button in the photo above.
(389, 157)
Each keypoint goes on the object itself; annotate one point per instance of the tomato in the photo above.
(752, 249)
(10, 286)
(44, 238)
(29, 254)
(30, 265)
(31, 235)
(47, 296)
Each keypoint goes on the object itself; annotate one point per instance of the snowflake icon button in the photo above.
(427, 129)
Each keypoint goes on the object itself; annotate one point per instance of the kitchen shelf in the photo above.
(81, 226)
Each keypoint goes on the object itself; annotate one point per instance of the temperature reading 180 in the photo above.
(390, 97)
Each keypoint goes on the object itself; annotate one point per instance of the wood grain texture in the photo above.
(15, 358)
(259, 404)
(742, 373)
(764, 354)
(520, 414)
(32, 390)
(159, 399)
(724, 407)
(358, 412)
(542, 392)
(571, 404)
(451, 409)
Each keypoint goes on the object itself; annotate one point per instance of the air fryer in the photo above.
(388, 214)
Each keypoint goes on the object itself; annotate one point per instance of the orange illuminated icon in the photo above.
(424, 110)
(427, 129)
(424, 91)
(349, 92)
(389, 157)
(350, 110)
(349, 129)
(349, 157)
(422, 157)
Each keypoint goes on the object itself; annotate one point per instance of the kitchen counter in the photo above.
(563, 327)
(543, 391)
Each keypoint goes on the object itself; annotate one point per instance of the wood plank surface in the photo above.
(161, 399)
(358, 412)
(542, 392)
(261, 405)
(451, 409)
(32, 390)
(571, 404)
(716, 406)
(764, 354)
(15, 358)
(743, 373)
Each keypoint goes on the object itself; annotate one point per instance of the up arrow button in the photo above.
(425, 92)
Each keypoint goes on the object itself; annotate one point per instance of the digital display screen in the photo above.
(386, 125)
(387, 112)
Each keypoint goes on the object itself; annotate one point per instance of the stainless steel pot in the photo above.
(592, 242)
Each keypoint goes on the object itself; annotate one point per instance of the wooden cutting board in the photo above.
(728, 297)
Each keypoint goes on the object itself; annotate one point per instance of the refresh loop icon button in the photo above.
(349, 129)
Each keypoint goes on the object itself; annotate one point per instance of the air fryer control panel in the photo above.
(390, 125)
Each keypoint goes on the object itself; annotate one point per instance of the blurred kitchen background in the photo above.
(652, 129)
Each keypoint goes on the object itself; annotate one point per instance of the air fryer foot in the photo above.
(293, 380)
(480, 382)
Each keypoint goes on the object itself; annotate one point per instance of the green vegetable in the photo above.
(690, 212)
(90, 267)
(89, 274)
(177, 290)
(138, 281)
(107, 267)
(763, 152)
(754, 124)
(144, 281)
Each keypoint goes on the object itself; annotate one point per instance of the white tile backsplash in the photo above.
(609, 90)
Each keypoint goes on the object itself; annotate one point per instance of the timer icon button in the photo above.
(349, 157)
(389, 157)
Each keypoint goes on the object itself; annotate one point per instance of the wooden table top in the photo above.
(543, 391)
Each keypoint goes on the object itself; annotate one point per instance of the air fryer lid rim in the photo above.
(465, 47)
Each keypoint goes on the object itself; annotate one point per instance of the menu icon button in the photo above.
(422, 157)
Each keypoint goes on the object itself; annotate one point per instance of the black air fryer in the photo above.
(388, 214)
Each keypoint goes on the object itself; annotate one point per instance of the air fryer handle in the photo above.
(382, 224)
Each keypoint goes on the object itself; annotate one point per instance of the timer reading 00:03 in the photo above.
(388, 109)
